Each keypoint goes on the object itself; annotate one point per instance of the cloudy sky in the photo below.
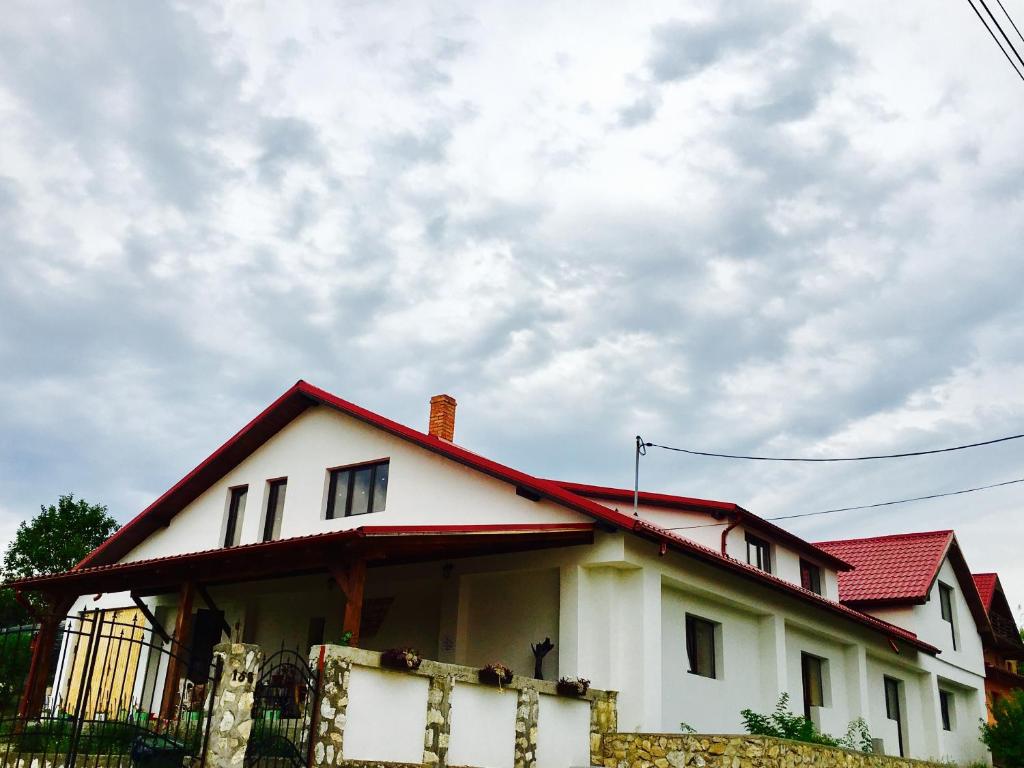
(791, 228)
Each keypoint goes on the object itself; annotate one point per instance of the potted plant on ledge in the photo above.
(572, 686)
(495, 674)
(406, 659)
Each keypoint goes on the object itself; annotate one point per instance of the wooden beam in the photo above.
(157, 626)
(34, 693)
(351, 580)
(175, 661)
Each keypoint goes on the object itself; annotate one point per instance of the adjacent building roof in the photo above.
(304, 395)
(986, 584)
(720, 510)
(901, 569)
(890, 569)
(1006, 634)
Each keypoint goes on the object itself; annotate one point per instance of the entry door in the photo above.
(892, 707)
(206, 631)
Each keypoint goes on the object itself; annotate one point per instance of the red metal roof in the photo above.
(303, 395)
(718, 509)
(986, 583)
(889, 569)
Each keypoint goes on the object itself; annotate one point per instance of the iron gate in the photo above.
(282, 712)
(107, 696)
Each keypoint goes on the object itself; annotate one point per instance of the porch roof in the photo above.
(376, 545)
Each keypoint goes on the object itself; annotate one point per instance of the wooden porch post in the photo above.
(34, 693)
(175, 660)
(351, 580)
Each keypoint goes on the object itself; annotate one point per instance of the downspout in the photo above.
(725, 533)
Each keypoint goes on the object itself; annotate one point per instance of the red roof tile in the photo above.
(890, 568)
(986, 583)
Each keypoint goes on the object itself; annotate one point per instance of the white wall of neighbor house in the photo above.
(322, 438)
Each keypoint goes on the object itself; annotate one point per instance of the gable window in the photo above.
(759, 553)
(236, 508)
(700, 646)
(275, 509)
(813, 682)
(810, 576)
(946, 708)
(357, 490)
(946, 606)
(892, 707)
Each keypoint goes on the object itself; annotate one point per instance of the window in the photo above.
(810, 576)
(946, 606)
(357, 490)
(236, 506)
(814, 686)
(946, 707)
(700, 646)
(759, 553)
(892, 707)
(275, 509)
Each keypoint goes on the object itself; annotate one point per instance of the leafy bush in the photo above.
(1005, 737)
(784, 724)
(15, 657)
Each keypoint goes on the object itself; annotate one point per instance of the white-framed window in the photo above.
(702, 646)
(235, 512)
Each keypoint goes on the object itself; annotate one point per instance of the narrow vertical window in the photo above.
(357, 490)
(700, 646)
(946, 707)
(236, 507)
(810, 576)
(892, 707)
(275, 509)
(946, 606)
(813, 682)
(759, 553)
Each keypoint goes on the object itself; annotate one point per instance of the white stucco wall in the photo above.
(386, 716)
(563, 732)
(694, 699)
(482, 726)
(423, 488)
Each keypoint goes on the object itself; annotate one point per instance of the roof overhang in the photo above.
(718, 510)
(376, 545)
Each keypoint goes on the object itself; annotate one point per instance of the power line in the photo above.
(996, 39)
(866, 506)
(846, 458)
(1006, 37)
(1008, 16)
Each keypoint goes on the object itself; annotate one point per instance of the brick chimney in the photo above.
(442, 417)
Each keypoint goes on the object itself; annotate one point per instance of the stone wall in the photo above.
(672, 750)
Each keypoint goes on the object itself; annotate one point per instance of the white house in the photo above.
(320, 517)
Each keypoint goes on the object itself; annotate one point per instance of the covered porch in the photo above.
(463, 595)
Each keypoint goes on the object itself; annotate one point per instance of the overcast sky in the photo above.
(789, 228)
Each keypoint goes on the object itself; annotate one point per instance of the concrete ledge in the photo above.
(461, 674)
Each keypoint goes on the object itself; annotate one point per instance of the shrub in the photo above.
(1005, 737)
(784, 724)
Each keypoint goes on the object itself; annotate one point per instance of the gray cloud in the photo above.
(788, 250)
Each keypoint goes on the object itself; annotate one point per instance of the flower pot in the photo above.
(400, 659)
(492, 677)
(575, 688)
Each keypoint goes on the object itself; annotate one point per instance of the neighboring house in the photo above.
(1004, 649)
(320, 517)
(920, 581)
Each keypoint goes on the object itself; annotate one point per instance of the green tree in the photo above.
(1005, 737)
(53, 541)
